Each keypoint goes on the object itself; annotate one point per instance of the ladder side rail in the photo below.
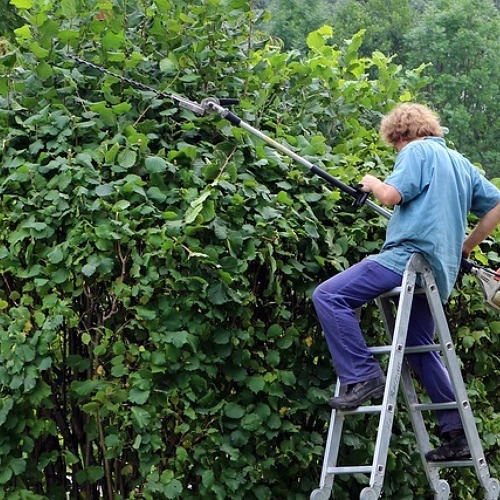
(453, 365)
(393, 378)
(440, 488)
(385, 306)
(332, 446)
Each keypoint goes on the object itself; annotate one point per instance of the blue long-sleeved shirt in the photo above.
(438, 187)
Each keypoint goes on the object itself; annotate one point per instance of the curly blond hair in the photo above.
(409, 121)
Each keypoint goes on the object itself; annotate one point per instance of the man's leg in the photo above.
(429, 367)
(336, 301)
(432, 373)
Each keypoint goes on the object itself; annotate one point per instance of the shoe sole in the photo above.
(375, 393)
(457, 456)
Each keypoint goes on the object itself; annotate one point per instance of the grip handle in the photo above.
(360, 197)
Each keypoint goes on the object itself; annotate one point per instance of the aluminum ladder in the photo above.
(398, 371)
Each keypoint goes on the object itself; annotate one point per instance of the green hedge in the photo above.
(157, 338)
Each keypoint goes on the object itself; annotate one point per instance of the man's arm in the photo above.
(385, 193)
(483, 229)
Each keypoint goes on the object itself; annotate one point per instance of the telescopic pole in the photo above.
(360, 197)
(487, 277)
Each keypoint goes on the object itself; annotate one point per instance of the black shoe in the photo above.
(357, 394)
(453, 447)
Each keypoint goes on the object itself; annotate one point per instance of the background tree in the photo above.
(460, 39)
(385, 23)
(291, 21)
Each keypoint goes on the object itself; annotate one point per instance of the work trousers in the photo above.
(336, 301)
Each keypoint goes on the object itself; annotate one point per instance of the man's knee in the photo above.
(324, 296)
(317, 295)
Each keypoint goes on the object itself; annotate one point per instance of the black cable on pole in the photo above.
(180, 101)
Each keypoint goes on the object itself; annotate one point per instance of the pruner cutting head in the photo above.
(187, 104)
(213, 105)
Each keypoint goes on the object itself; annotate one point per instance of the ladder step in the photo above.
(363, 409)
(452, 463)
(367, 469)
(386, 349)
(452, 405)
(391, 293)
(397, 291)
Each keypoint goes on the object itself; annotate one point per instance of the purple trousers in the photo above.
(336, 301)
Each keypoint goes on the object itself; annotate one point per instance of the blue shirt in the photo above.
(438, 188)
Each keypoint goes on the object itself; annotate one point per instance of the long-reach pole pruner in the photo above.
(214, 105)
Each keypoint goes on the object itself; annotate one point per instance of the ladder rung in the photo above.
(350, 470)
(391, 293)
(363, 409)
(452, 463)
(397, 291)
(452, 405)
(386, 349)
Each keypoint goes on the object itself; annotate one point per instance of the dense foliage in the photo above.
(156, 334)
(9, 19)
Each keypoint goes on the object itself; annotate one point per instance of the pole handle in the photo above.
(466, 265)
(359, 198)
(228, 101)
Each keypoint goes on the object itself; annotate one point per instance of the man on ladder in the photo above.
(433, 189)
